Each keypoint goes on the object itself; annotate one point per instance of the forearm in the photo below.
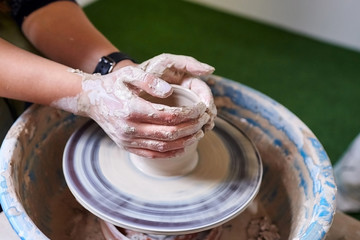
(28, 77)
(63, 33)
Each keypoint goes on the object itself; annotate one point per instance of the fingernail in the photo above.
(163, 88)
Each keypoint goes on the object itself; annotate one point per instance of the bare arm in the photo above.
(28, 77)
(63, 33)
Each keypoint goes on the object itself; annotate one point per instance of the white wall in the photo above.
(84, 3)
(334, 21)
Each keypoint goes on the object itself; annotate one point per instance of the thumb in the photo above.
(148, 82)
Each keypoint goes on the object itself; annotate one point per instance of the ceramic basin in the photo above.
(297, 191)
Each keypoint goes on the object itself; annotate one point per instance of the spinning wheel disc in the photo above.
(105, 181)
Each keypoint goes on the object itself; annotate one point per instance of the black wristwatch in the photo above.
(107, 63)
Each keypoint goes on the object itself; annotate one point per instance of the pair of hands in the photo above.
(142, 127)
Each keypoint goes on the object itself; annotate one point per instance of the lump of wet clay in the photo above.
(262, 229)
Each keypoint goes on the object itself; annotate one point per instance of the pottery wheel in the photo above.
(104, 180)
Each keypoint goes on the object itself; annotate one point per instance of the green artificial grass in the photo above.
(316, 81)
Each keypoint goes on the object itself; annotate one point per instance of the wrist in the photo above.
(123, 63)
(70, 100)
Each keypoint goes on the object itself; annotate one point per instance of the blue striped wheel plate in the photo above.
(103, 179)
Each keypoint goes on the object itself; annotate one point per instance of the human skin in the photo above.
(32, 78)
(25, 76)
(28, 77)
(68, 37)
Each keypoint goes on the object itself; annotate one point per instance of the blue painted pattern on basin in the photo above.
(297, 191)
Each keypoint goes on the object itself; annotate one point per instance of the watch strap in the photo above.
(119, 56)
(107, 63)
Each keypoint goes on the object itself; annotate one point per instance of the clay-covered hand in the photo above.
(139, 126)
(184, 71)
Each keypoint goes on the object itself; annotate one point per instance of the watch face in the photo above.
(104, 66)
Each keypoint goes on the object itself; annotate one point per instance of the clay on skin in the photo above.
(109, 101)
(288, 211)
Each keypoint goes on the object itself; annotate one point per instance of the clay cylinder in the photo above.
(185, 162)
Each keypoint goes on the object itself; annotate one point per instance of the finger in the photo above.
(166, 132)
(209, 125)
(201, 89)
(145, 81)
(163, 146)
(147, 112)
(188, 64)
(204, 93)
(181, 63)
